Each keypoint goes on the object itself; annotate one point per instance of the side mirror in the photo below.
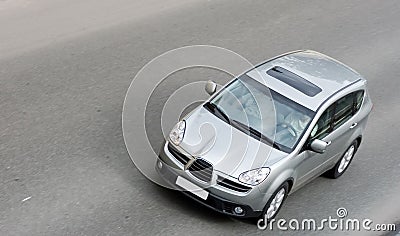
(318, 146)
(211, 87)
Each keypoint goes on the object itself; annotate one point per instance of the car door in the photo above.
(342, 126)
(310, 162)
(335, 127)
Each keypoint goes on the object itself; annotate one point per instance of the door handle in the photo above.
(328, 143)
(353, 125)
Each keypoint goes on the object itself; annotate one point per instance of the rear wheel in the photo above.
(344, 162)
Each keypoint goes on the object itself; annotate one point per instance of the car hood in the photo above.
(230, 150)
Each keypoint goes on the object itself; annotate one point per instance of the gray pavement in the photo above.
(65, 69)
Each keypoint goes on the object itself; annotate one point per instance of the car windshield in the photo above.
(262, 113)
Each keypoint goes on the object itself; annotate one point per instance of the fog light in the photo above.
(159, 164)
(238, 210)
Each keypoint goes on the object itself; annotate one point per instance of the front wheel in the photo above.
(344, 162)
(274, 204)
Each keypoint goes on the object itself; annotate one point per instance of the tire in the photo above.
(344, 162)
(267, 215)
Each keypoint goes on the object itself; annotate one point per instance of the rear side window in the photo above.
(337, 114)
(343, 110)
(359, 97)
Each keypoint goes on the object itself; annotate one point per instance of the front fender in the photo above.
(277, 180)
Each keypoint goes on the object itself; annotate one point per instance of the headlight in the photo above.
(177, 133)
(254, 177)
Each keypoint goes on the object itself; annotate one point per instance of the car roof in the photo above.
(307, 77)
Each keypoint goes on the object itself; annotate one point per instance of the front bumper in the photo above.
(217, 200)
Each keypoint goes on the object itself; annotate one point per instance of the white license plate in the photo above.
(191, 187)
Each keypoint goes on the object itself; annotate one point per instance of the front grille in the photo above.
(232, 185)
(201, 169)
(178, 155)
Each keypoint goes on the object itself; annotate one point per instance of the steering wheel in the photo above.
(288, 127)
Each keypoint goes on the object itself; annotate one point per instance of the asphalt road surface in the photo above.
(65, 67)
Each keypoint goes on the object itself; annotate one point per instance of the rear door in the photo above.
(343, 124)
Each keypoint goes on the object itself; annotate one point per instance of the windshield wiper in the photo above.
(256, 133)
(214, 108)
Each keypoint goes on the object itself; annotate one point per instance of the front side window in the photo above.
(323, 126)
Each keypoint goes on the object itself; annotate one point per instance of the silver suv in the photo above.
(267, 133)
